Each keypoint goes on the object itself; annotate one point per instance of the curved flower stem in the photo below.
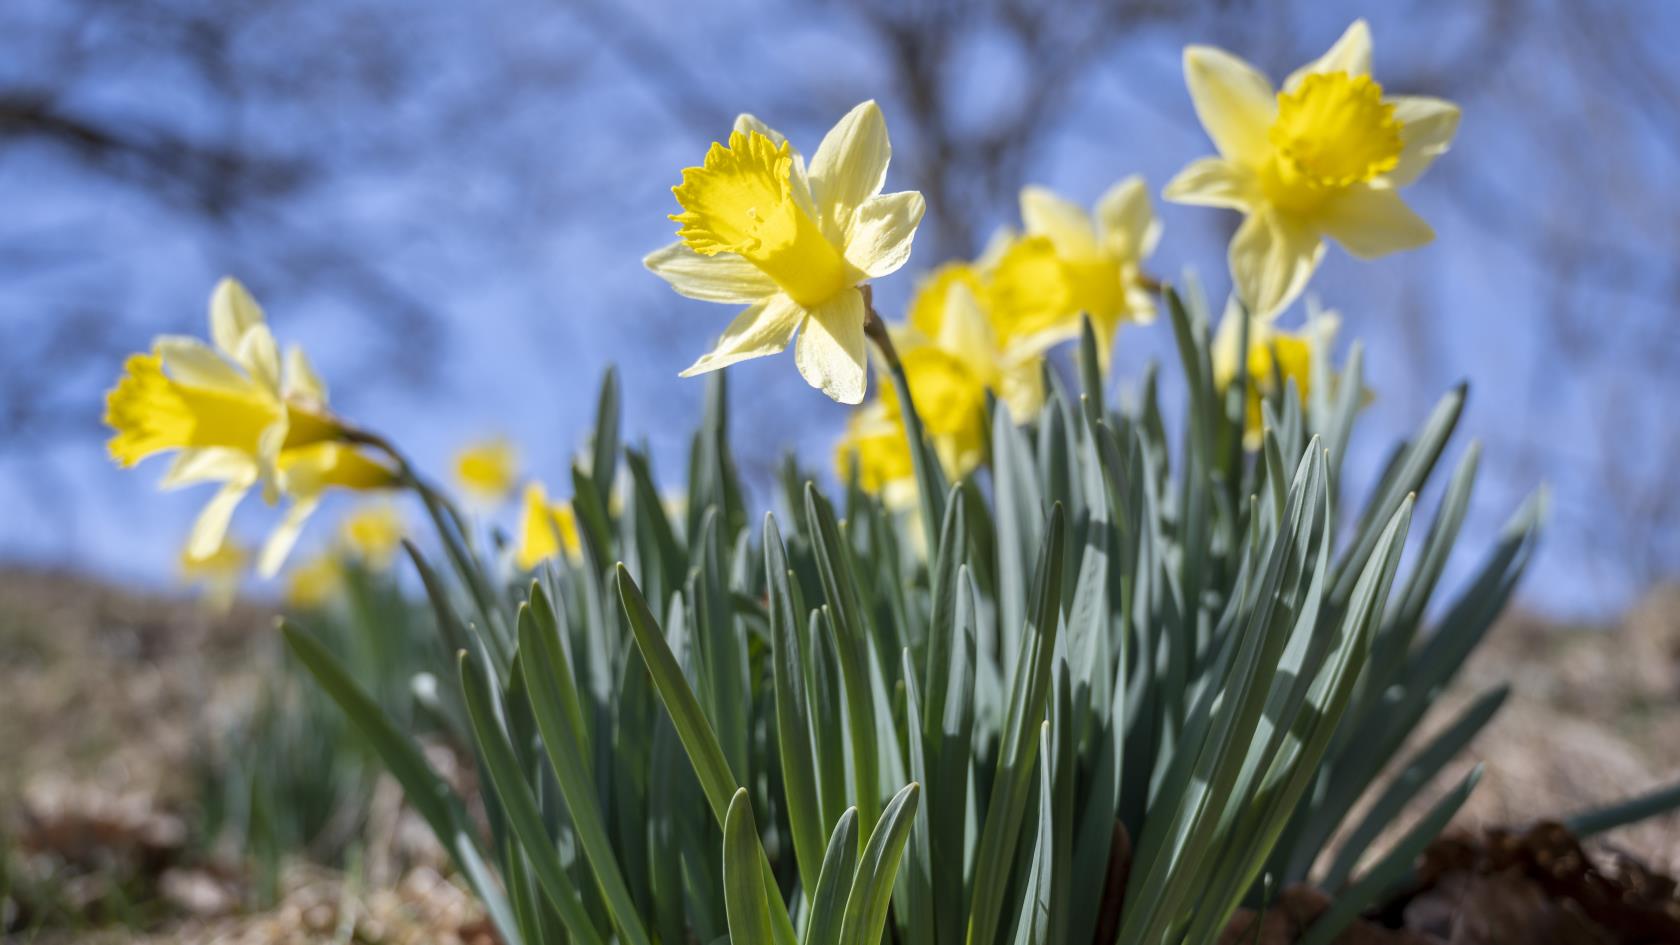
(450, 525)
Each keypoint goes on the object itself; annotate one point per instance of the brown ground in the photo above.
(106, 694)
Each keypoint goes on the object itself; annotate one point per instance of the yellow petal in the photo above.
(1022, 390)
(763, 329)
(1031, 291)
(301, 381)
(1214, 182)
(1350, 54)
(850, 165)
(1234, 102)
(192, 362)
(831, 348)
(724, 277)
(747, 121)
(232, 312)
(1427, 126)
(1272, 256)
(487, 469)
(285, 535)
(881, 233)
(965, 332)
(1126, 221)
(1066, 223)
(1370, 222)
(209, 464)
(211, 526)
(260, 357)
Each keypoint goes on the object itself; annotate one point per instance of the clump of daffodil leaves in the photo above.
(1042, 671)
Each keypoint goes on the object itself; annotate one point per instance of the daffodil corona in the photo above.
(1322, 158)
(793, 244)
(1275, 358)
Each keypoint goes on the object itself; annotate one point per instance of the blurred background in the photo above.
(447, 205)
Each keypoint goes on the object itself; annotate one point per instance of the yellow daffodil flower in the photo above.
(233, 413)
(874, 447)
(793, 244)
(1325, 156)
(1070, 262)
(1275, 357)
(947, 313)
(217, 574)
(373, 533)
(487, 470)
(314, 582)
(546, 529)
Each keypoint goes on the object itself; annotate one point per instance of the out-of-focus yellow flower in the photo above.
(217, 574)
(314, 582)
(1275, 358)
(1323, 157)
(373, 533)
(546, 528)
(487, 470)
(238, 414)
(793, 243)
(874, 447)
(1070, 262)
(948, 313)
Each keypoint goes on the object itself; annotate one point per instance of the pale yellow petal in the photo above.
(1214, 182)
(965, 331)
(1350, 54)
(1234, 101)
(232, 312)
(724, 277)
(1066, 223)
(211, 526)
(1370, 222)
(831, 348)
(301, 379)
(1272, 257)
(285, 535)
(1427, 126)
(850, 165)
(881, 232)
(209, 464)
(748, 122)
(1022, 390)
(260, 357)
(193, 362)
(1127, 223)
(763, 329)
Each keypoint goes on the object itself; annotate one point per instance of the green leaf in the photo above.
(521, 806)
(548, 679)
(743, 891)
(1392, 869)
(431, 797)
(793, 721)
(866, 906)
(828, 903)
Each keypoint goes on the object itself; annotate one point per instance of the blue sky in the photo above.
(521, 227)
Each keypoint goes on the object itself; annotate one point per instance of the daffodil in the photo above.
(488, 469)
(217, 574)
(312, 583)
(1275, 358)
(1070, 262)
(875, 450)
(546, 528)
(373, 533)
(792, 243)
(947, 313)
(1324, 157)
(235, 413)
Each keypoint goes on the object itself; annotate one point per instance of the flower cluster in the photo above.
(797, 242)
(1322, 158)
